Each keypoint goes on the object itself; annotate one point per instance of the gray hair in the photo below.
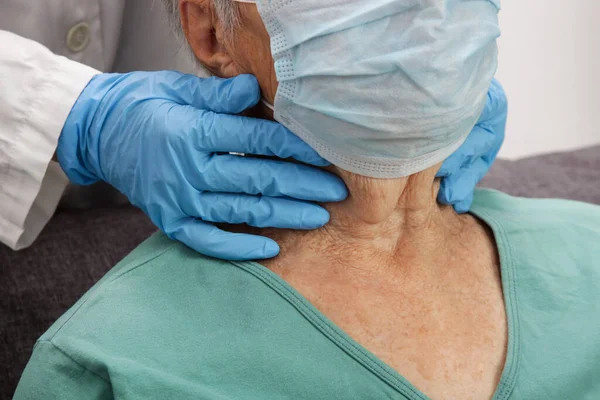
(227, 11)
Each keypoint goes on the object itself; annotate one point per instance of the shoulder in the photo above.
(548, 225)
(153, 305)
(59, 376)
(547, 213)
(164, 306)
(158, 278)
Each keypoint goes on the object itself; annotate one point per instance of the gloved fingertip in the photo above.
(452, 163)
(316, 219)
(463, 206)
(247, 83)
(443, 172)
(292, 146)
(444, 193)
(341, 193)
(442, 199)
(317, 161)
(246, 88)
(270, 249)
(336, 193)
(332, 190)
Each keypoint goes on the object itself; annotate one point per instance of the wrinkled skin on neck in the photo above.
(385, 225)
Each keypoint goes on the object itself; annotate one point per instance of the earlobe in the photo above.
(199, 28)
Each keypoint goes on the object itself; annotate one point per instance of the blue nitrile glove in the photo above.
(162, 139)
(463, 170)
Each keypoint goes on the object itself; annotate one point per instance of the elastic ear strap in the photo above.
(245, 1)
(267, 104)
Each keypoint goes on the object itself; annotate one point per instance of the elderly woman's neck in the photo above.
(383, 223)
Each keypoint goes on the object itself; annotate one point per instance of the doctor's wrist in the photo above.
(78, 147)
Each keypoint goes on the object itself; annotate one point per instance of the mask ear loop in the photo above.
(245, 1)
(267, 104)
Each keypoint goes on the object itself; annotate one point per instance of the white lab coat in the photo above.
(41, 77)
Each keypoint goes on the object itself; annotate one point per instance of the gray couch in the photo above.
(78, 247)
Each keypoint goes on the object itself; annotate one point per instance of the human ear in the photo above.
(201, 29)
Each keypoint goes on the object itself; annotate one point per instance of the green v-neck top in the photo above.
(168, 323)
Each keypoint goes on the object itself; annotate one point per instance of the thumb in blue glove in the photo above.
(464, 169)
(163, 139)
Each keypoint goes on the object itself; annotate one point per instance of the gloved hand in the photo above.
(163, 138)
(463, 170)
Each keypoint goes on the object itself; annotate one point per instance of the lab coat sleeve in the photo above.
(37, 91)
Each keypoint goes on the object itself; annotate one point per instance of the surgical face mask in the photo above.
(382, 88)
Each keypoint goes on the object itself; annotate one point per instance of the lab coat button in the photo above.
(78, 37)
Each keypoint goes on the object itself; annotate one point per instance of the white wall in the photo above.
(550, 69)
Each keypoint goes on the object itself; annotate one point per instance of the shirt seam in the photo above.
(101, 288)
(509, 376)
(72, 359)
